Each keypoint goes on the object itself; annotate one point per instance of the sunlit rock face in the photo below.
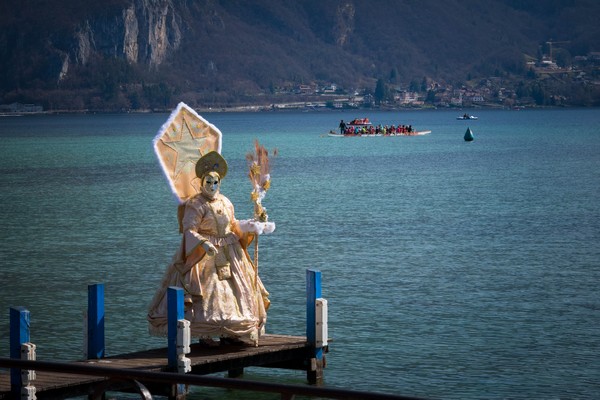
(145, 32)
(344, 24)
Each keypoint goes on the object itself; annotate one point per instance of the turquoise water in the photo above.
(452, 270)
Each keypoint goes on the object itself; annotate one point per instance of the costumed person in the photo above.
(223, 296)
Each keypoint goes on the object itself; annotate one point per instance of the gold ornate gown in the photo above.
(223, 295)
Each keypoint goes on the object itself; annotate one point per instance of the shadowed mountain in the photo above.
(122, 54)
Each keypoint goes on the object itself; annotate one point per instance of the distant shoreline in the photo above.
(284, 109)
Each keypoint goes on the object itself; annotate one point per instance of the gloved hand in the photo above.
(210, 249)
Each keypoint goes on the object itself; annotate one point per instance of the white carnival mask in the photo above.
(210, 185)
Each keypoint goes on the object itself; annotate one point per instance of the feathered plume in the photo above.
(260, 176)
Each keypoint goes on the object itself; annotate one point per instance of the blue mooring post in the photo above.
(313, 292)
(95, 321)
(19, 334)
(315, 365)
(174, 314)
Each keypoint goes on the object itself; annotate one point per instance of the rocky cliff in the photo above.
(144, 32)
(150, 53)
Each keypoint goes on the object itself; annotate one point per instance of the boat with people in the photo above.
(363, 127)
(467, 116)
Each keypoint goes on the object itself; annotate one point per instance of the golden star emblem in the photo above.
(180, 145)
(187, 148)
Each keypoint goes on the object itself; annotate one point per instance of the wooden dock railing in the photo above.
(136, 377)
(169, 371)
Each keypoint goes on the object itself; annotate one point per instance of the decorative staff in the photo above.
(260, 177)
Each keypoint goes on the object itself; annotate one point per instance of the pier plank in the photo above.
(279, 351)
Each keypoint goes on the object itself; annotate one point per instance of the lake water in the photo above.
(452, 269)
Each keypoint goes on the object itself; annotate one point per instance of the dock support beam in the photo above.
(175, 312)
(19, 334)
(314, 369)
(95, 322)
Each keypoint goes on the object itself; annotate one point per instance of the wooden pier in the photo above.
(35, 379)
(274, 351)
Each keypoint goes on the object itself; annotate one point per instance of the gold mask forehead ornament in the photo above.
(211, 162)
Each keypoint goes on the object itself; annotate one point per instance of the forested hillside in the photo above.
(140, 54)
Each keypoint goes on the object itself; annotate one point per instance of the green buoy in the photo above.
(469, 135)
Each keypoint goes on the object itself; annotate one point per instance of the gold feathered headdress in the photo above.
(260, 176)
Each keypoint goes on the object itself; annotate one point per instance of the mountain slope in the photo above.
(149, 53)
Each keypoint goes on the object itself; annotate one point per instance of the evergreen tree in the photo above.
(430, 97)
(381, 91)
(414, 86)
(394, 75)
(424, 84)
